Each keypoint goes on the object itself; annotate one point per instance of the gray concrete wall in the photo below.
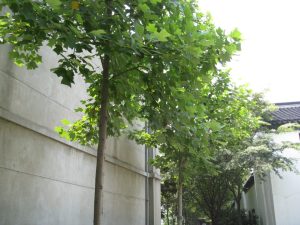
(286, 191)
(276, 200)
(264, 201)
(248, 201)
(46, 180)
(259, 197)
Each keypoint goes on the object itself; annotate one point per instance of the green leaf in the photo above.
(154, 2)
(65, 122)
(62, 133)
(144, 7)
(151, 28)
(98, 32)
(79, 19)
(236, 35)
(139, 29)
(57, 49)
(213, 125)
(2, 22)
(55, 4)
(162, 35)
(67, 75)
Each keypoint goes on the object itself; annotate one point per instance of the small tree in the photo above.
(188, 140)
(234, 162)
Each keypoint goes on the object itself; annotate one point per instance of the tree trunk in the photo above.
(103, 118)
(238, 208)
(180, 217)
(237, 194)
(102, 131)
(214, 221)
(180, 187)
(168, 221)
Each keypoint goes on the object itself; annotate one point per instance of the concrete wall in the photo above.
(286, 191)
(46, 180)
(248, 201)
(277, 200)
(264, 201)
(259, 197)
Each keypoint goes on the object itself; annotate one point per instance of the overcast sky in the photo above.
(270, 56)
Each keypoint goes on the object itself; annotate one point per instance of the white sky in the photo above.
(270, 56)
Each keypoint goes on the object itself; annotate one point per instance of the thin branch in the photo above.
(126, 71)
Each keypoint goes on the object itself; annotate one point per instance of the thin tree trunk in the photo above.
(239, 214)
(214, 221)
(102, 132)
(103, 118)
(180, 187)
(237, 198)
(238, 207)
(180, 217)
(168, 221)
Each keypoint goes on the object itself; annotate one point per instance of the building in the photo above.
(276, 201)
(46, 180)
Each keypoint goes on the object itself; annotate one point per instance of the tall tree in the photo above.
(187, 132)
(148, 50)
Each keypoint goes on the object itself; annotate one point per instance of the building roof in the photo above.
(249, 183)
(288, 112)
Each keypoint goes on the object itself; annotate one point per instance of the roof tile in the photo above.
(287, 112)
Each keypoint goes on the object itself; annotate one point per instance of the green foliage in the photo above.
(55, 4)
(166, 64)
(233, 117)
(288, 127)
(262, 155)
(229, 116)
(157, 49)
(231, 217)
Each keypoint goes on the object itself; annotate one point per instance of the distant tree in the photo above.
(261, 156)
(214, 192)
(230, 148)
(188, 142)
(288, 127)
(168, 195)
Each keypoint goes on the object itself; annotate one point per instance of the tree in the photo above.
(148, 51)
(168, 195)
(230, 118)
(187, 140)
(255, 152)
(231, 109)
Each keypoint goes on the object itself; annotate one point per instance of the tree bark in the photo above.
(237, 194)
(180, 187)
(180, 217)
(102, 131)
(238, 207)
(214, 221)
(103, 119)
(168, 221)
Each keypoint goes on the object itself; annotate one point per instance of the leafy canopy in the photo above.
(158, 51)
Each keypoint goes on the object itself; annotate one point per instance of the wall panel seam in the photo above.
(11, 117)
(18, 120)
(13, 77)
(70, 183)
(47, 178)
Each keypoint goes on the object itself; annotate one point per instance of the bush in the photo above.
(231, 217)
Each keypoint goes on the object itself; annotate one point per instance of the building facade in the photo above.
(276, 200)
(46, 180)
